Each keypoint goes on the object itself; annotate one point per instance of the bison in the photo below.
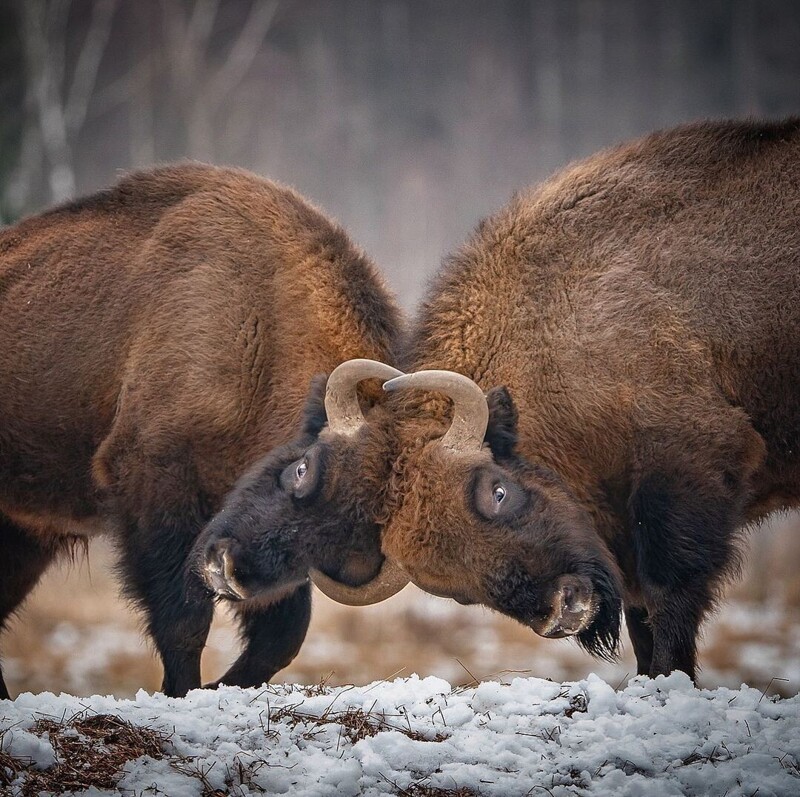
(158, 339)
(603, 390)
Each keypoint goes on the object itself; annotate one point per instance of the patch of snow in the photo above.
(19, 743)
(660, 736)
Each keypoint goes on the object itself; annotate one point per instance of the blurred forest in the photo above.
(407, 120)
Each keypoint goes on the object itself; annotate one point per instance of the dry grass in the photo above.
(9, 768)
(90, 752)
(423, 789)
(76, 635)
(355, 723)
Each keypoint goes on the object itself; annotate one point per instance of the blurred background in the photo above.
(406, 120)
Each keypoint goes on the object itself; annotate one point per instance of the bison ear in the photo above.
(501, 432)
(314, 415)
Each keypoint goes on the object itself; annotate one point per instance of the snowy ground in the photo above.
(412, 737)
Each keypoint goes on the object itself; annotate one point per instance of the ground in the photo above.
(410, 736)
(491, 733)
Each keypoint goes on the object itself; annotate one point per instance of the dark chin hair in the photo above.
(601, 638)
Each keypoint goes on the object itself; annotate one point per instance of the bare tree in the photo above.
(56, 106)
(201, 89)
(62, 92)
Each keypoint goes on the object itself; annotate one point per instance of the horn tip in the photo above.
(393, 383)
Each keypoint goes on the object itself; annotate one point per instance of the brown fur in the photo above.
(634, 321)
(156, 339)
(643, 310)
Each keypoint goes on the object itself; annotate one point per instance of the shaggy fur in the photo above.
(641, 310)
(158, 338)
(634, 321)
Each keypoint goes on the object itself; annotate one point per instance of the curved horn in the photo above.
(390, 580)
(341, 400)
(470, 410)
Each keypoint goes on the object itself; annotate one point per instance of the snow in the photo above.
(527, 736)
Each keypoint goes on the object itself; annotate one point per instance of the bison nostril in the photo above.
(219, 570)
(572, 607)
(574, 594)
(216, 555)
(575, 598)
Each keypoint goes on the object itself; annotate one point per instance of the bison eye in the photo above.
(494, 499)
(303, 478)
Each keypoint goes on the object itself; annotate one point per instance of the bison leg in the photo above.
(684, 546)
(272, 637)
(685, 543)
(675, 630)
(641, 635)
(666, 640)
(24, 559)
(153, 563)
(689, 496)
(153, 489)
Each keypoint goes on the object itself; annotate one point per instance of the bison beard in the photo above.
(601, 638)
(515, 594)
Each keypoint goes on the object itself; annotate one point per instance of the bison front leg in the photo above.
(641, 635)
(684, 544)
(155, 548)
(150, 477)
(666, 641)
(272, 637)
(675, 630)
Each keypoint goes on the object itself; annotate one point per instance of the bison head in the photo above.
(475, 521)
(309, 507)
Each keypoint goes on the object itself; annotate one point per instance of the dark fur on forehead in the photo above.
(314, 415)
(501, 433)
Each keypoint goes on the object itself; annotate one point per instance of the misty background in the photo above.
(407, 121)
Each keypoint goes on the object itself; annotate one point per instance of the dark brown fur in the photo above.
(156, 339)
(634, 321)
(642, 308)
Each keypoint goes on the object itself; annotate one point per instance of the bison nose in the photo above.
(573, 607)
(219, 570)
(575, 597)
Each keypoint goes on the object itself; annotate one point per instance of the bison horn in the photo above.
(341, 399)
(391, 579)
(470, 410)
